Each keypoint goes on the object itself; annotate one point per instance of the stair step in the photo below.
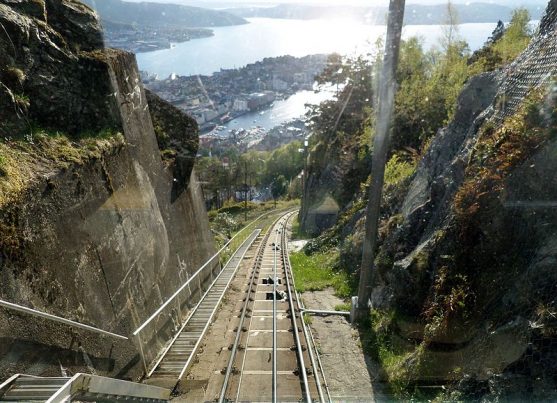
(35, 393)
(40, 381)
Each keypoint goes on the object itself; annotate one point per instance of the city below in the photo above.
(230, 93)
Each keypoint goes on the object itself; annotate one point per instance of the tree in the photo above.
(285, 161)
(516, 38)
(450, 28)
(279, 187)
(505, 44)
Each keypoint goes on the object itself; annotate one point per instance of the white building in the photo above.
(240, 105)
(209, 114)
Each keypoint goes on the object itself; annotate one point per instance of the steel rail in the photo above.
(271, 228)
(279, 255)
(58, 319)
(250, 325)
(274, 376)
(258, 260)
(245, 355)
(307, 331)
(285, 261)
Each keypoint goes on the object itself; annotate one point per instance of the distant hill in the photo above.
(415, 14)
(153, 14)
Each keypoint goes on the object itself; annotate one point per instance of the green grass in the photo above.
(379, 341)
(343, 307)
(316, 272)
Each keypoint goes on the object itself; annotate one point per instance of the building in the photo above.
(259, 99)
(240, 105)
(322, 215)
(209, 114)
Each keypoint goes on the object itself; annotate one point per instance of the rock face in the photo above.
(103, 241)
(177, 139)
(62, 56)
(491, 259)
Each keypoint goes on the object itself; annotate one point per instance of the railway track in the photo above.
(271, 358)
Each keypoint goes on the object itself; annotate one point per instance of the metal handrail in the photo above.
(137, 333)
(55, 318)
(190, 279)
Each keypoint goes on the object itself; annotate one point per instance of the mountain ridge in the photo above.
(376, 15)
(150, 14)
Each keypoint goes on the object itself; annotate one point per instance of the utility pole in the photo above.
(305, 173)
(246, 190)
(385, 106)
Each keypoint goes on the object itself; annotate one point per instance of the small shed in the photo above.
(322, 215)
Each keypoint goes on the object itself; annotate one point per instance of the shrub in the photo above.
(397, 169)
(13, 77)
(224, 222)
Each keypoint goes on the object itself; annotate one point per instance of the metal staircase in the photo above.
(80, 387)
(175, 360)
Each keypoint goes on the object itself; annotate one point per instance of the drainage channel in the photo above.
(181, 353)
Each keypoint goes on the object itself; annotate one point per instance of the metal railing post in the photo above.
(141, 352)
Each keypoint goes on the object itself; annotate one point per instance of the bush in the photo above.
(225, 223)
(397, 170)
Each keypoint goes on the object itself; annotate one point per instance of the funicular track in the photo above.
(271, 359)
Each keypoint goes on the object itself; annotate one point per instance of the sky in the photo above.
(234, 3)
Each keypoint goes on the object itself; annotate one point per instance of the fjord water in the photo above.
(281, 111)
(236, 46)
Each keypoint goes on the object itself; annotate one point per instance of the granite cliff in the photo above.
(101, 216)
